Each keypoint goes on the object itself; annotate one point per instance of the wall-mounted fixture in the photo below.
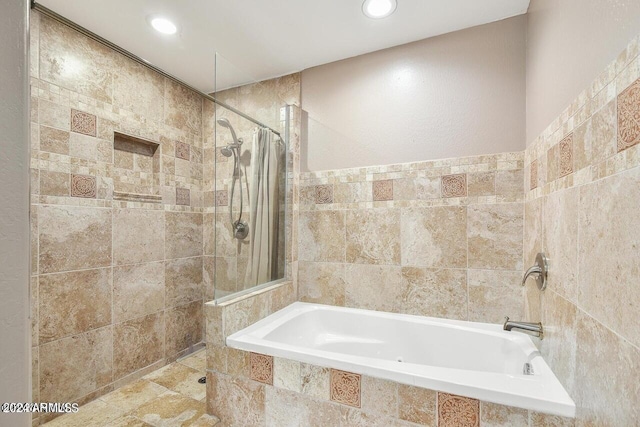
(163, 25)
(378, 9)
(539, 271)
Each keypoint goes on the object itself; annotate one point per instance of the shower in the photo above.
(240, 228)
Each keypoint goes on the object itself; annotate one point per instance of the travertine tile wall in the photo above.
(265, 101)
(117, 237)
(582, 197)
(439, 238)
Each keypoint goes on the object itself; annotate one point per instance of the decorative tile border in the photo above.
(454, 185)
(345, 388)
(222, 198)
(383, 190)
(83, 186)
(324, 194)
(261, 368)
(533, 175)
(83, 123)
(458, 411)
(183, 151)
(183, 196)
(566, 155)
(629, 116)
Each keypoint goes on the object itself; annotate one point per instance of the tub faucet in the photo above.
(534, 329)
(538, 271)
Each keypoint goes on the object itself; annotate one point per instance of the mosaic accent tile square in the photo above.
(383, 190)
(183, 196)
(83, 186)
(345, 388)
(566, 155)
(83, 123)
(183, 151)
(222, 198)
(458, 411)
(629, 116)
(261, 367)
(454, 185)
(533, 179)
(324, 194)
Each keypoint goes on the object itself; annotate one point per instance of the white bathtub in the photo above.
(477, 360)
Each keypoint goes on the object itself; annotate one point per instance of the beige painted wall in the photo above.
(456, 95)
(569, 43)
(14, 212)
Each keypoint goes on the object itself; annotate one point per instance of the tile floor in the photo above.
(168, 397)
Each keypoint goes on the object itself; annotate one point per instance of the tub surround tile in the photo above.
(533, 175)
(322, 236)
(379, 396)
(54, 183)
(285, 408)
(373, 236)
(345, 388)
(315, 381)
(287, 374)
(373, 287)
(54, 115)
(493, 415)
(382, 190)
(138, 235)
(83, 186)
(566, 156)
(457, 411)
(545, 420)
(322, 283)
(83, 123)
(629, 116)
(495, 236)
(417, 405)
(454, 185)
(261, 368)
(434, 293)
(509, 184)
(54, 140)
(482, 184)
(323, 194)
(494, 294)
(236, 401)
(553, 163)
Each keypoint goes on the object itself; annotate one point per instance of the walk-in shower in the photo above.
(240, 228)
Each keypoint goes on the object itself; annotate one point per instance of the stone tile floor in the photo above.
(168, 397)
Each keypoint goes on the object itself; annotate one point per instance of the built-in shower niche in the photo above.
(136, 168)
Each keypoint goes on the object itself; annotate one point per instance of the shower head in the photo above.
(225, 123)
(226, 151)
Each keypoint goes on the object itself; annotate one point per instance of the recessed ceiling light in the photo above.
(164, 26)
(378, 9)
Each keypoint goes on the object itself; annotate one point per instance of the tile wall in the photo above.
(582, 182)
(117, 235)
(438, 238)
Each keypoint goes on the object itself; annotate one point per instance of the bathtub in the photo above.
(477, 360)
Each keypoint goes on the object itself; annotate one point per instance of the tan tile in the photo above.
(315, 381)
(54, 140)
(425, 243)
(180, 379)
(183, 234)
(286, 374)
(96, 413)
(238, 363)
(373, 236)
(83, 186)
(510, 183)
(182, 108)
(225, 243)
(553, 163)
(73, 302)
(353, 417)
(129, 421)
(196, 361)
(73, 238)
(138, 235)
(457, 411)
(435, 293)
(345, 388)
(285, 408)
(454, 185)
(545, 420)
(137, 343)
(183, 196)
(138, 290)
(561, 241)
(609, 267)
(137, 88)
(533, 175)
(82, 122)
(628, 116)
(246, 312)
(352, 192)
(183, 281)
(75, 366)
(84, 147)
(54, 183)
(261, 368)
(373, 287)
(503, 416)
(481, 184)
(236, 401)
(322, 283)
(226, 274)
(565, 156)
(382, 190)
(183, 327)
(379, 396)
(494, 294)
(322, 236)
(171, 409)
(495, 236)
(417, 405)
(606, 393)
(323, 194)
(55, 116)
(133, 395)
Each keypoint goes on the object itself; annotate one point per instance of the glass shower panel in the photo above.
(249, 200)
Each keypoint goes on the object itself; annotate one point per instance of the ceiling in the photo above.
(254, 40)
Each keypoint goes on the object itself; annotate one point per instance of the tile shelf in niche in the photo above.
(134, 144)
(137, 167)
